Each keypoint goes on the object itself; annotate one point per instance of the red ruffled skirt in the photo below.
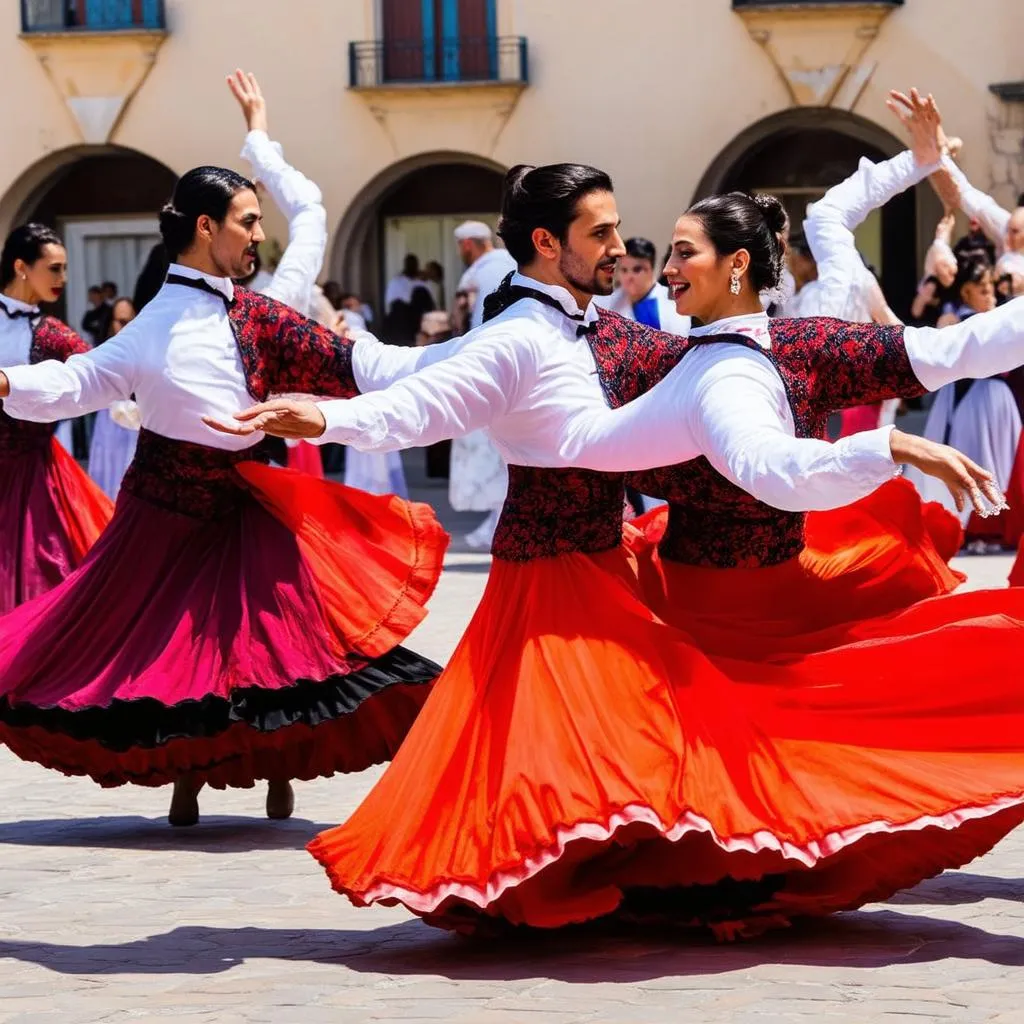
(50, 515)
(875, 557)
(580, 758)
(254, 639)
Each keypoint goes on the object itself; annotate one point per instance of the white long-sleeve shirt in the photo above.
(529, 379)
(301, 201)
(994, 220)
(845, 287)
(16, 331)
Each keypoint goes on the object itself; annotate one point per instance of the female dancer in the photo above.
(50, 511)
(578, 755)
(117, 429)
(256, 614)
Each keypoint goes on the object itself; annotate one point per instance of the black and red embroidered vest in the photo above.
(51, 339)
(550, 512)
(282, 352)
(825, 365)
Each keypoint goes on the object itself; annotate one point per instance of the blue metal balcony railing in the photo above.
(451, 61)
(92, 15)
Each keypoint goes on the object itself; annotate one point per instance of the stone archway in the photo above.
(439, 184)
(105, 200)
(800, 153)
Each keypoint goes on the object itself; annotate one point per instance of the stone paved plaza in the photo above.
(106, 914)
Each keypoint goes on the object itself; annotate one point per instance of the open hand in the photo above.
(246, 90)
(921, 117)
(281, 417)
(967, 481)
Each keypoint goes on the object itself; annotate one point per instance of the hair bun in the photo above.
(773, 211)
(516, 177)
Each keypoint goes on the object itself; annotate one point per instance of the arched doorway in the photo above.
(413, 207)
(799, 154)
(104, 203)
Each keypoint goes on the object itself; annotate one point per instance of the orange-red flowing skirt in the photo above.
(874, 557)
(579, 758)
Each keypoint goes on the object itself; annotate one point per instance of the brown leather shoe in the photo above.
(185, 802)
(280, 799)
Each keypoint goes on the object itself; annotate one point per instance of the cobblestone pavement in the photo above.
(108, 915)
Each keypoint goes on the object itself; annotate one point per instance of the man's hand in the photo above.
(921, 117)
(967, 481)
(282, 417)
(247, 91)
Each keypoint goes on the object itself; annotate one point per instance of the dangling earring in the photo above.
(734, 282)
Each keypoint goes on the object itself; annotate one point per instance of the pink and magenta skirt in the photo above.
(50, 513)
(234, 621)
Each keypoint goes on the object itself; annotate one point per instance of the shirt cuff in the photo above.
(19, 402)
(257, 140)
(869, 454)
(347, 422)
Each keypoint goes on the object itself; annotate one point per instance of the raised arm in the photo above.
(54, 390)
(298, 198)
(994, 220)
(831, 221)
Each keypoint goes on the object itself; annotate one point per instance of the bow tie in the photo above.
(202, 285)
(586, 330)
(14, 314)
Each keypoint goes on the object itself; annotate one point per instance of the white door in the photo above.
(105, 249)
(430, 238)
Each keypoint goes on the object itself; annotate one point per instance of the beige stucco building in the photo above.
(407, 111)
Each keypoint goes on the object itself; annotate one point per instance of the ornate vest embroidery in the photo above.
(825, 365)
(51, 339)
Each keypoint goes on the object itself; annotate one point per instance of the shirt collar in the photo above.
(562, 296)
(17, 306)
(223, 284)
(752, 325)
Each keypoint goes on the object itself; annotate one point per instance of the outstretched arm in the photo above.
(469, 391)
(54, 390)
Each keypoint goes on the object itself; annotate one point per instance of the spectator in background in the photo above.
(406, 299)
(940, 270)
(96, 321)
(486, 266)
(436, 327)
(433, 277)
(110, 292)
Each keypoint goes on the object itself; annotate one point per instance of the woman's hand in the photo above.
(967, 481)
(5, 386)
(282, 417)
(247, 91)
(920, 116)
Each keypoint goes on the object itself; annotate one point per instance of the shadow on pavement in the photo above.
(214, 834)
(859, 941)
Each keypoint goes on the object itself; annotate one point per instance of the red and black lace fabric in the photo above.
(549, 512)
(825, 365)
(191, 479)
(51, 339)
(284, 352)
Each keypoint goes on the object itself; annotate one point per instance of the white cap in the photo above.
(475, 229)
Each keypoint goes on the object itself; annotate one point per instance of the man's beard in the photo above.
(582, 277)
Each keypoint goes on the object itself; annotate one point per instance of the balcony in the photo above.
(498, 60)
(91, 16)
